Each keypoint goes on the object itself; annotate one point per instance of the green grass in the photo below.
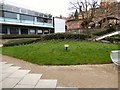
(54, 53)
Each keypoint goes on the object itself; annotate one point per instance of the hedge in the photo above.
(113, 39)
(28, 39)
(64, 36)
(19, 36)
(18, 42)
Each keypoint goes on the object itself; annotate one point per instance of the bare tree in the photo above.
(87, 9)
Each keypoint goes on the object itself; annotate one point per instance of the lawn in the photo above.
(54, 53)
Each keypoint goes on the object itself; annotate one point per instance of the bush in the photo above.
(28, 39)
(100, 33)
(19, 36)
(113, 39)
(18, 42)
(64, 36)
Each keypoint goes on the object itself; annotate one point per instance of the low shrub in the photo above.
(24, 39)
(64, 36)
(19, 36)
(18, 42)
(100, 33)
(113, 39)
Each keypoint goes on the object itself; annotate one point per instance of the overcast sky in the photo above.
(54, 7)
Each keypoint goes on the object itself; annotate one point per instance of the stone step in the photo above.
(3, 63)
(5, 66)
(30, 79)
(28, 87)
(11, 69)
(45, 83)
(7, 72)
(19, 74)
(10, 82)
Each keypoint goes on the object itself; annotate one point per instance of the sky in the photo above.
(54, 7)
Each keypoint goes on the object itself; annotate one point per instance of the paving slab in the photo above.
(10, 82)
(19, 73)
(44, 83)
(31, 87)
(5, 75)
(5, 66)
(3, 62)
(30, 79)
(11, 69)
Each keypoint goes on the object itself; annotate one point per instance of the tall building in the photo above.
(18, 20)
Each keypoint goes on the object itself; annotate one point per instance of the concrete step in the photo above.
(14, 77)
(19, 74)
(45, 83)
(10, 82)
(3, 63)
(30, 79)
(11, 69)
(7, 72)
(28, 87)
(5, 66)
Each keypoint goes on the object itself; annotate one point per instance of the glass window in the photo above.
(41, 14)
(32, 31)
(14, 30)
(1, 6)
(36, 13)
(24, 31)
(25, 17)
(16, 9)
(39, 31)
(30, 12)
(8, 7)
(10, 15)
(3, 30)
(23, 11)
(49, 21)
(39, 19)
(1, 13)
(45, 20)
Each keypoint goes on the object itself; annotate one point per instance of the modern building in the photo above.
(17, 20)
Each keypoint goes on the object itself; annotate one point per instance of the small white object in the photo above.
(115, 57)
(1, 45)
(66, 45)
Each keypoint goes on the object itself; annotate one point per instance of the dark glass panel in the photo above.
(10, 15)
(25, 17)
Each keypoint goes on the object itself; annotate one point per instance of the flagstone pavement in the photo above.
(16, 73)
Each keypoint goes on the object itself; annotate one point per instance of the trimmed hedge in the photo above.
(64, 36)
(58, 36)
(18, 42)
(19, 36)
(48, 36)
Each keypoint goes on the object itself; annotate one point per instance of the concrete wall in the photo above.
(59, 25)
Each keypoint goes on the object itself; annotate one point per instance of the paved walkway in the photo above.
(83, 76)
(14, 77)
